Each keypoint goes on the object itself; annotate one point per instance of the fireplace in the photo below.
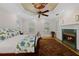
(69, 37)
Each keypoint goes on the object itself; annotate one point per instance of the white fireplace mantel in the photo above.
(72, 26)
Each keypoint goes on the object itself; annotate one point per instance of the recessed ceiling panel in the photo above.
(30, 7)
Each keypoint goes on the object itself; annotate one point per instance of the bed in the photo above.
(19, 44)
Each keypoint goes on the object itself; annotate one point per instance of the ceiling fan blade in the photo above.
(45, 15)
(45, 11)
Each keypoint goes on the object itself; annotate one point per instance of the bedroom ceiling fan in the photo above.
(39, 7)
(42, 13)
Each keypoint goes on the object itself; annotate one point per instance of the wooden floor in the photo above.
(48, 47)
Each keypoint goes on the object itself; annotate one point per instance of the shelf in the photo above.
(70, 24)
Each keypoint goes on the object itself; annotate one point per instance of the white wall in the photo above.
(38, 25)
(69, 13)
(8, 20)
(9, 13)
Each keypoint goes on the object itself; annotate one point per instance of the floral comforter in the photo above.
(18, 44)
(26, 44)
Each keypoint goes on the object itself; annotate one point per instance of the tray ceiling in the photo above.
(30, 7)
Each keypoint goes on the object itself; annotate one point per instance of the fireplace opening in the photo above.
(69, 37)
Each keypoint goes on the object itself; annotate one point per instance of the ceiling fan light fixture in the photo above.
(39, 5)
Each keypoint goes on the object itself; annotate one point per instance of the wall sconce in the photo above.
(77, 17)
